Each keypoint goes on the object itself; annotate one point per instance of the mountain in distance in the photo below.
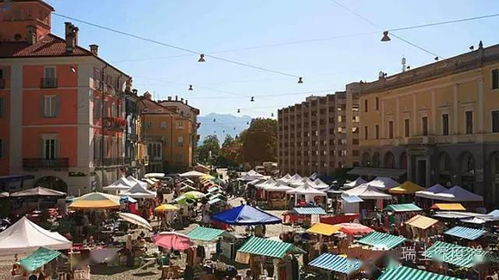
(224, 124)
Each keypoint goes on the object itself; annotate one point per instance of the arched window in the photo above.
(376, 160)
(389, 160)
(403, 160)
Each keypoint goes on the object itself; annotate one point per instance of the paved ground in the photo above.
(102, 272)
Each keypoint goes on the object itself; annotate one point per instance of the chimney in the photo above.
(134, 91)
(186, 102)
(182, 100)
(94, 49)
(32, 34)
(147, 95)
(169, 98)
(176, 98)
(71, 37)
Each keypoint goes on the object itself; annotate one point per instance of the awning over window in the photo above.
(407, 207)
(404, 272)
(204, 234)
(268, 248)
(382, 240)
(336, 263)
(466, 232)
(381, 172)
(455, 254)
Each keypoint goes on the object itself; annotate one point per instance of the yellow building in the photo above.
(436, 124)
(167, 136)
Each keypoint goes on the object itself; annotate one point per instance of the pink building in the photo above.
(61, 105)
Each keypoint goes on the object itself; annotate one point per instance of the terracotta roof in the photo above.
(47, 46)
(153, 107)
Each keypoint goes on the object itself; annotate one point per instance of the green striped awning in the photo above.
(204, 234)
(455, 254)
(268, 248)
(404, 272)
(466, 232)
(406, 207)
(382, 240)
(336, 263)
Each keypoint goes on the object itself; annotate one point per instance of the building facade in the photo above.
(320, 134)
(183, 108)
(439, 122)
(168, 137)
(135, 148)
(61, 105)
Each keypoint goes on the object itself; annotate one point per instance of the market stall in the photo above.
(303, 215)
(422, 227)
(341, 266)
(373, 198)
(383, 183)
(276, 195)
(306, 195)
(352, 184)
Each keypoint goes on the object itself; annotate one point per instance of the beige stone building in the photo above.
(436, 124)
(320, 134)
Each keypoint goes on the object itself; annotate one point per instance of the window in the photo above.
(50, 106)
(365, 105)
(424, 122)
(469, 122)
(180, 124)
(366, 132)
(1, 148)
(97, 109)
(377, 131)
(180, 141)
(390, 129)
(49, 79)
(377, 103)
(49, 148)
(163, 125)
(1, 74)
(180, 157)
(114, 111)
(495, 121)
(105, 109)
(445, 124)
(1, 107)
(406, 128)
(49, 73)
(495, 79)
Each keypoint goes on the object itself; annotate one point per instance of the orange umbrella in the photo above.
(172, 240)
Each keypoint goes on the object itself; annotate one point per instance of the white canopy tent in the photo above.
(25, 236)
(135, 180)
(193, 174)
(139, 191)
(154, 175)
(319, 184)
(352, 184)
(285, 179)
(458, 194)
(366, 191)
(251, 175)
(122, 184)
(383, 183)
(265, 184)
(278, 187)
(307, 191)
(431, 191)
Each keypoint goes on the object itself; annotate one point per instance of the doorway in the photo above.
(421, 172)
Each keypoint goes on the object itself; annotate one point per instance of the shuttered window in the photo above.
(495, 79)
(50, 106)
(495, 121)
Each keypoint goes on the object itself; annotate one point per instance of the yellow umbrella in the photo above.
(407, 187)
(166, 208)
(96, 200)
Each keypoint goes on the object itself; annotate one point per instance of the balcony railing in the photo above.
(2, 83)
(46, 163)
(114, 124)
(48, 83)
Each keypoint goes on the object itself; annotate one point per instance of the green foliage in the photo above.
(210, 144)
(259, 141)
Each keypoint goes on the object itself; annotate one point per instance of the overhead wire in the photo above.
(177, 47)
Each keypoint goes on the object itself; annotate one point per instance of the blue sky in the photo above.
(231, 28)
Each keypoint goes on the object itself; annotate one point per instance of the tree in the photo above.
(259, 141)
(231, 153)
(208, 152)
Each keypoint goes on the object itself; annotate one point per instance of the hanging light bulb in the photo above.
(472, 48)
(385, 38)
(190, 87)
(247, 123)
(201, 58)
(436, 58)
(252, 99)
(272, 114)
(239, 110)
(234, 128)
(214, 120)
(300, 80)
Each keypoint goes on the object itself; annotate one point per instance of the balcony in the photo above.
(114, 124)
(37, 163)
(2, 83)
(48, 83)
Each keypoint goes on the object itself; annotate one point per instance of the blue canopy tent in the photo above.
(246, 215)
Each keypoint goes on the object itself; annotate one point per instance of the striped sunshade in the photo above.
(268, 248)
(309, 211)
(407, 207)
(455, 254)
(336, 263)
(466, 232)
(404, 272)
(205, 234)
(382, 240)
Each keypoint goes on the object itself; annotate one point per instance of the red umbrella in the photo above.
(172, 240)
(354, 228)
